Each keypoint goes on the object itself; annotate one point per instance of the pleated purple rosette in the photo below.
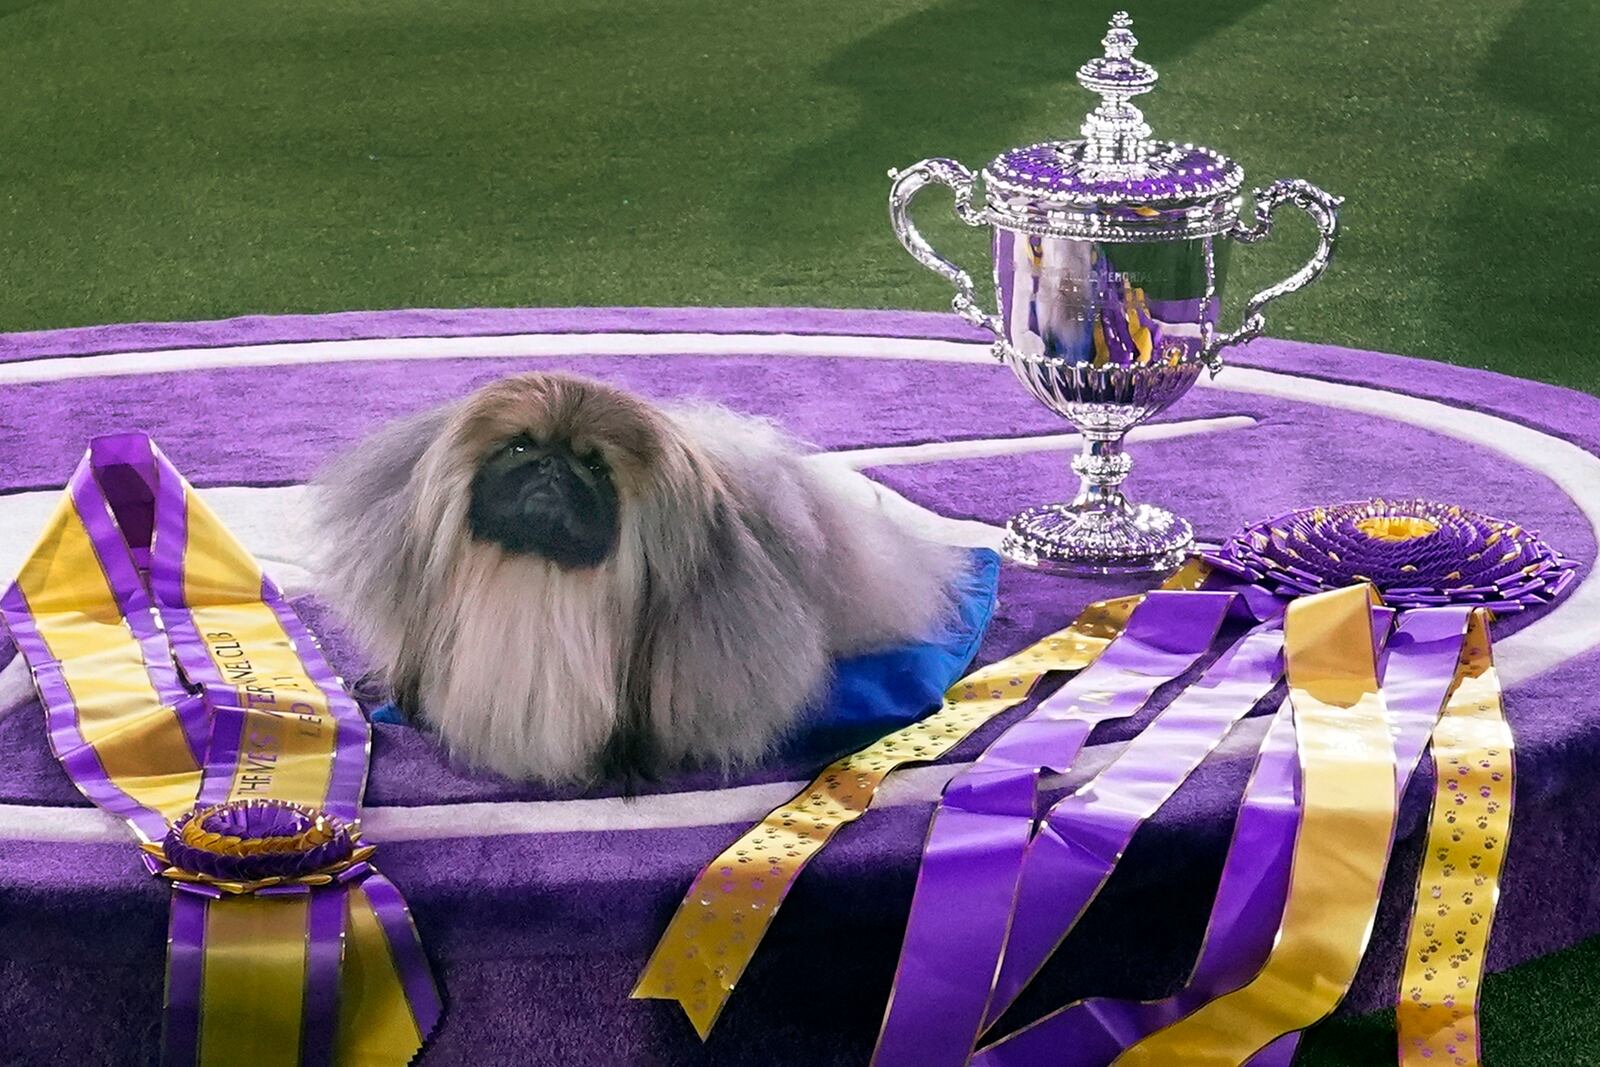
(1416, 552)
(258, 840)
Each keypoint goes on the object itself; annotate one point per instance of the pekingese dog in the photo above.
(569, 583)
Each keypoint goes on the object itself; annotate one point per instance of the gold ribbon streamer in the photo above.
(1347, 823)
(715, 932)
(376, 1027)
(1459, 884)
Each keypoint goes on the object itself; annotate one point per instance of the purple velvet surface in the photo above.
(537, 938)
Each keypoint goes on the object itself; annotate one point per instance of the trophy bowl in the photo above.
(1110, 254)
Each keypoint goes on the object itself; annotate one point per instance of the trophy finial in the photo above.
(1115, 132)
(1119, 40)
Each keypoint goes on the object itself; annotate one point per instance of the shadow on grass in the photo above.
(1524, 233)
(957, 80)
(11, 7)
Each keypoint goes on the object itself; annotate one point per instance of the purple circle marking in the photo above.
(544, 932)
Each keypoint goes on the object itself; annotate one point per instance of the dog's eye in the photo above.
(594, 463)
(518, 446)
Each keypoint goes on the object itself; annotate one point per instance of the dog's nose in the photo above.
(548, 468)
(545, 480)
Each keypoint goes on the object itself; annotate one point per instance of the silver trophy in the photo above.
(1110, 253)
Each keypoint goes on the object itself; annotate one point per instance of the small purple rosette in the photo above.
(1417, 553)
(252, 845)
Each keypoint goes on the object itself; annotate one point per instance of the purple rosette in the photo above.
(251, 845)
(1417, 553)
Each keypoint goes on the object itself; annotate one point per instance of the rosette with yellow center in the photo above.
(248, 846)
(1416, 552)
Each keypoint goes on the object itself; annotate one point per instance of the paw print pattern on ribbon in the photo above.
(1459, 884)
(715, 932)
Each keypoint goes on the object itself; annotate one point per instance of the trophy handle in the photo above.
(907, 184)
(1324, 211)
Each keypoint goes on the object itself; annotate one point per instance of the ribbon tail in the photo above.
(180, 1019)
(388, 1003)
(251, 979)
(1347, 820)
(1081, 838)
(325, 936)
(1458, 886)
(966, 889)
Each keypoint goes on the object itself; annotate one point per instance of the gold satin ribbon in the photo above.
(287, 754)
(1459, 884)
(251, 994)
(138, 739)
(715, 932)
(289, 733)
(1347, 824)
(376, 1027)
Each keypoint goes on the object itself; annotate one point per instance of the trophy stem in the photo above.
(1100, 532)
(1102, 465)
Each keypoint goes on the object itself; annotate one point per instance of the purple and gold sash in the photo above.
(183, 695)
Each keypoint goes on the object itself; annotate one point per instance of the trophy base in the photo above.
(1076, 540)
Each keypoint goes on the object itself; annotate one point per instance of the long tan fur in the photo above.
(738, 576)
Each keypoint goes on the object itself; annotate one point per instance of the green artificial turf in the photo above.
(187, 159)
(193, 159)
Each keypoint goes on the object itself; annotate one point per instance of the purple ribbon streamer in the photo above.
(1082, 837)
(405, 946)
(1418, 669)
(967, 883)
(186, 943)
(319, 1011)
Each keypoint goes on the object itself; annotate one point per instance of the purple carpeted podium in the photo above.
(538, 907)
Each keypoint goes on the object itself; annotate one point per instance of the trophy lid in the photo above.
(1116, 164)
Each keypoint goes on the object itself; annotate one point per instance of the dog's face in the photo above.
(557, 460)
(544, 498)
